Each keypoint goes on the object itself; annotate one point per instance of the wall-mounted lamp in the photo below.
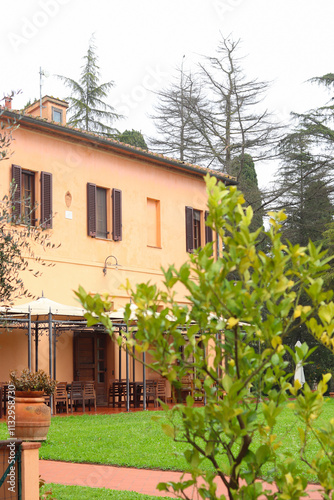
(116, 265)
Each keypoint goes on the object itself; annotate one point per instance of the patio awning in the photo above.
(42, 307)
(119, 314)
(47, 314)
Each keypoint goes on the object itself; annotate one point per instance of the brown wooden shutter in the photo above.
(208, 230)
(91, 210)
(117, 214)
(189, 229)
(17, 182)
(46, 199)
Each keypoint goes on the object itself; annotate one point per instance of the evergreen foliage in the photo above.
(133, 138)
(243, 168)
(88, 108)
(305, 183)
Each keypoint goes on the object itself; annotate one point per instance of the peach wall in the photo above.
(64, 357)
(83, 257)
(13, 352)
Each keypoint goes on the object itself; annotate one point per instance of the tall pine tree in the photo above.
(88, 109)
(304, 181)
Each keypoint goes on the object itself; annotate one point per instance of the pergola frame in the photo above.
(66, 318)
(53, 328)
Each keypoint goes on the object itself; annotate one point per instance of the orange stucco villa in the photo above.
(118, 213)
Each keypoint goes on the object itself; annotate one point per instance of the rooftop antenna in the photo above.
(42, 72)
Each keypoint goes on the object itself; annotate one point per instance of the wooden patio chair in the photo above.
(77, 395)
(180, 392)
(60, 397)
(161, 390)
(117, 393)
(151, 392)
(187, 387)
(89, 393)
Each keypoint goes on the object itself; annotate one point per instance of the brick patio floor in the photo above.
(120, 478)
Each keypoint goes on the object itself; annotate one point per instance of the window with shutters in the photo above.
(117, 215)
(25, 202)
(101, 213)
(194, 229)
(46, 200)
(208, 230)
(28, 215)
(197, 228)
(98, 210)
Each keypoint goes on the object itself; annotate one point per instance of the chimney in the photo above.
(8, 102)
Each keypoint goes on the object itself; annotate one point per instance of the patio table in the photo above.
(137, 393)
(119, 391)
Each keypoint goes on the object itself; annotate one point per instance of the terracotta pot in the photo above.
(32, 416)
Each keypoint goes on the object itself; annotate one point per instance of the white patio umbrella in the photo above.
(299, 372)
(42, 307)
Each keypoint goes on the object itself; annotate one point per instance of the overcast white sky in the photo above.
(140, 43)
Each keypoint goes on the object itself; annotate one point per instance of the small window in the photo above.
(101, 213)
(23, 196)
(57, 115)
(117, 214)
(193, 229)
(197, 228)
(46, 200)
(91, 209)
(98, 222)
(28, 197)
(153, 223)
(208, 231)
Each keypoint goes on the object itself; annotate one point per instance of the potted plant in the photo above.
(32, 416)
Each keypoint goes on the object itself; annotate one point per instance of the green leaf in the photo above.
(168, 430)
(262, 454)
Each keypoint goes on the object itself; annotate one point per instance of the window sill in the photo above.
(24, 224)
(154, 246)
(101, 238)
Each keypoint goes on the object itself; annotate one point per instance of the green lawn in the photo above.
(60, 492)
(127, 439)
(135, 440)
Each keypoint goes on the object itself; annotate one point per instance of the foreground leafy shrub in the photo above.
(243, 305)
